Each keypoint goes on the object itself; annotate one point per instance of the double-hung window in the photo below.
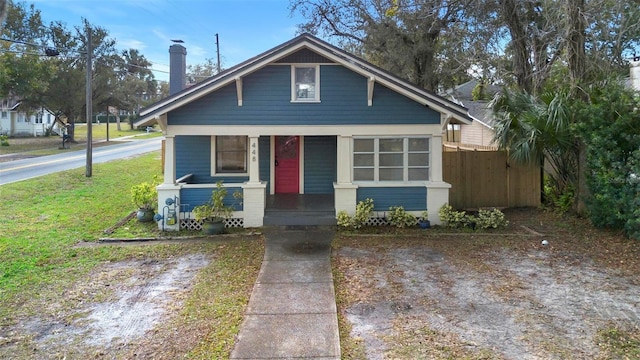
(305, 83)
(391, 159)
(229, 155)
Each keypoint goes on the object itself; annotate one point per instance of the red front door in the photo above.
(287, 164)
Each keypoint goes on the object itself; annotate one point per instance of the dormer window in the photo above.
(305, 85)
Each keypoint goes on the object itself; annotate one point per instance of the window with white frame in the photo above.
(305, 83)
(4, 114)
(229, 154)
(391, 159)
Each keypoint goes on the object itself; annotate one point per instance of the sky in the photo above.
(245, 28)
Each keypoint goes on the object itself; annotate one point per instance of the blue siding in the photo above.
(267, 101)
(411, 198)
(193, 156)
(319, 164)
(191, 198)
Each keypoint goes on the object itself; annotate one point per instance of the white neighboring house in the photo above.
(14, 122)
(634, 78)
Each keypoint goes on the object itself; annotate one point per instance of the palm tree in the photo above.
(534, 129)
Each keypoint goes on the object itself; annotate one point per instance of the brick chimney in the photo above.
(177, 68)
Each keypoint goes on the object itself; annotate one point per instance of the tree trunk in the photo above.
(118, 120)
(519, 36)
(576, 41)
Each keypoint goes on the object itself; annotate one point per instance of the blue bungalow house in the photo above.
(303, 131)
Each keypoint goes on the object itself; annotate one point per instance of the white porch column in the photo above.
(253, 203)
(169, 160)
(436, 158)
(253, 191)
(437, 189)
(344, 160)
(254, 160)
(345, 192)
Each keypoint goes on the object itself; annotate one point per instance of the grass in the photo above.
(40, 146)
(43, 220)
(617, 343)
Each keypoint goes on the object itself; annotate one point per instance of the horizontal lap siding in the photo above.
(411, 198)
(193, 156)
(319, 164)
(267, 101)
(191, 198)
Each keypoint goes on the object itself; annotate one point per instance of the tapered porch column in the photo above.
(169, 159)
(168, 189)
(437, 190)
(254, 190)
(345, 192)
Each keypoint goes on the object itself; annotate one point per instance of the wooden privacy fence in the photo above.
(489, 179)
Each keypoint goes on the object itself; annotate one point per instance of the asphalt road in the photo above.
(19, 170)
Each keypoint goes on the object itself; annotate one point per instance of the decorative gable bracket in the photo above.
(370, 84)
(239, 90)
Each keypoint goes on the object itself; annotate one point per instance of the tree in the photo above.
(608, 125)
(405, 38)
(24, 73)
(534, 129)
(199, 72)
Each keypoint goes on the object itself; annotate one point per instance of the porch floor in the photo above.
(299, 209)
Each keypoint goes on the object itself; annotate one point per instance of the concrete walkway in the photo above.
(292, 310)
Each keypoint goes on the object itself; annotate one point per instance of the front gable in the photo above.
(266, 100)
(259, 91)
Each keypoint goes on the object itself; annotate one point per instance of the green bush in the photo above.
(490, 219)
(486, 219)
(558, 200)
(400, 218)
(608, 125)
(452, 218)
(343, 219)
(4, 140)
(364, 210)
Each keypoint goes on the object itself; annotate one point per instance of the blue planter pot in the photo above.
(213, 227)
(145, 215)
(424, 224)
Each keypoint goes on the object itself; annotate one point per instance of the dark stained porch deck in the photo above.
(299, 210)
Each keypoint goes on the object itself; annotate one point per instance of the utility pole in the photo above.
(89, 105)
(218, 51)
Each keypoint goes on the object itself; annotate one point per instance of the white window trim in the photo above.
(293, 83)
(214, 157)
(376, 160)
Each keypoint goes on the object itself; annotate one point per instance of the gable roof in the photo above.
(455, 112)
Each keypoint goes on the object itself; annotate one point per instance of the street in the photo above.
(19, 170)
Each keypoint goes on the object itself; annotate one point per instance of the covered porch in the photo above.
(300, 209)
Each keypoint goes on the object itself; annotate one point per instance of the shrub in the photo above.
(608, 125)
(364, 210)
(343, 219)
(490, 219)
(4, 140)
(399, 218)
(452, 218)
(486, 219)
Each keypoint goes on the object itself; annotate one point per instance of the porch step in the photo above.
(299, 218)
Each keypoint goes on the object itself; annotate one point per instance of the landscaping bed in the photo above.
(491, 295)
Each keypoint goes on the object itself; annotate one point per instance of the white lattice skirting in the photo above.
(192, 224)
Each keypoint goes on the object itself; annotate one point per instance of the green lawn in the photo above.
(40, 146)
(44, 219)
